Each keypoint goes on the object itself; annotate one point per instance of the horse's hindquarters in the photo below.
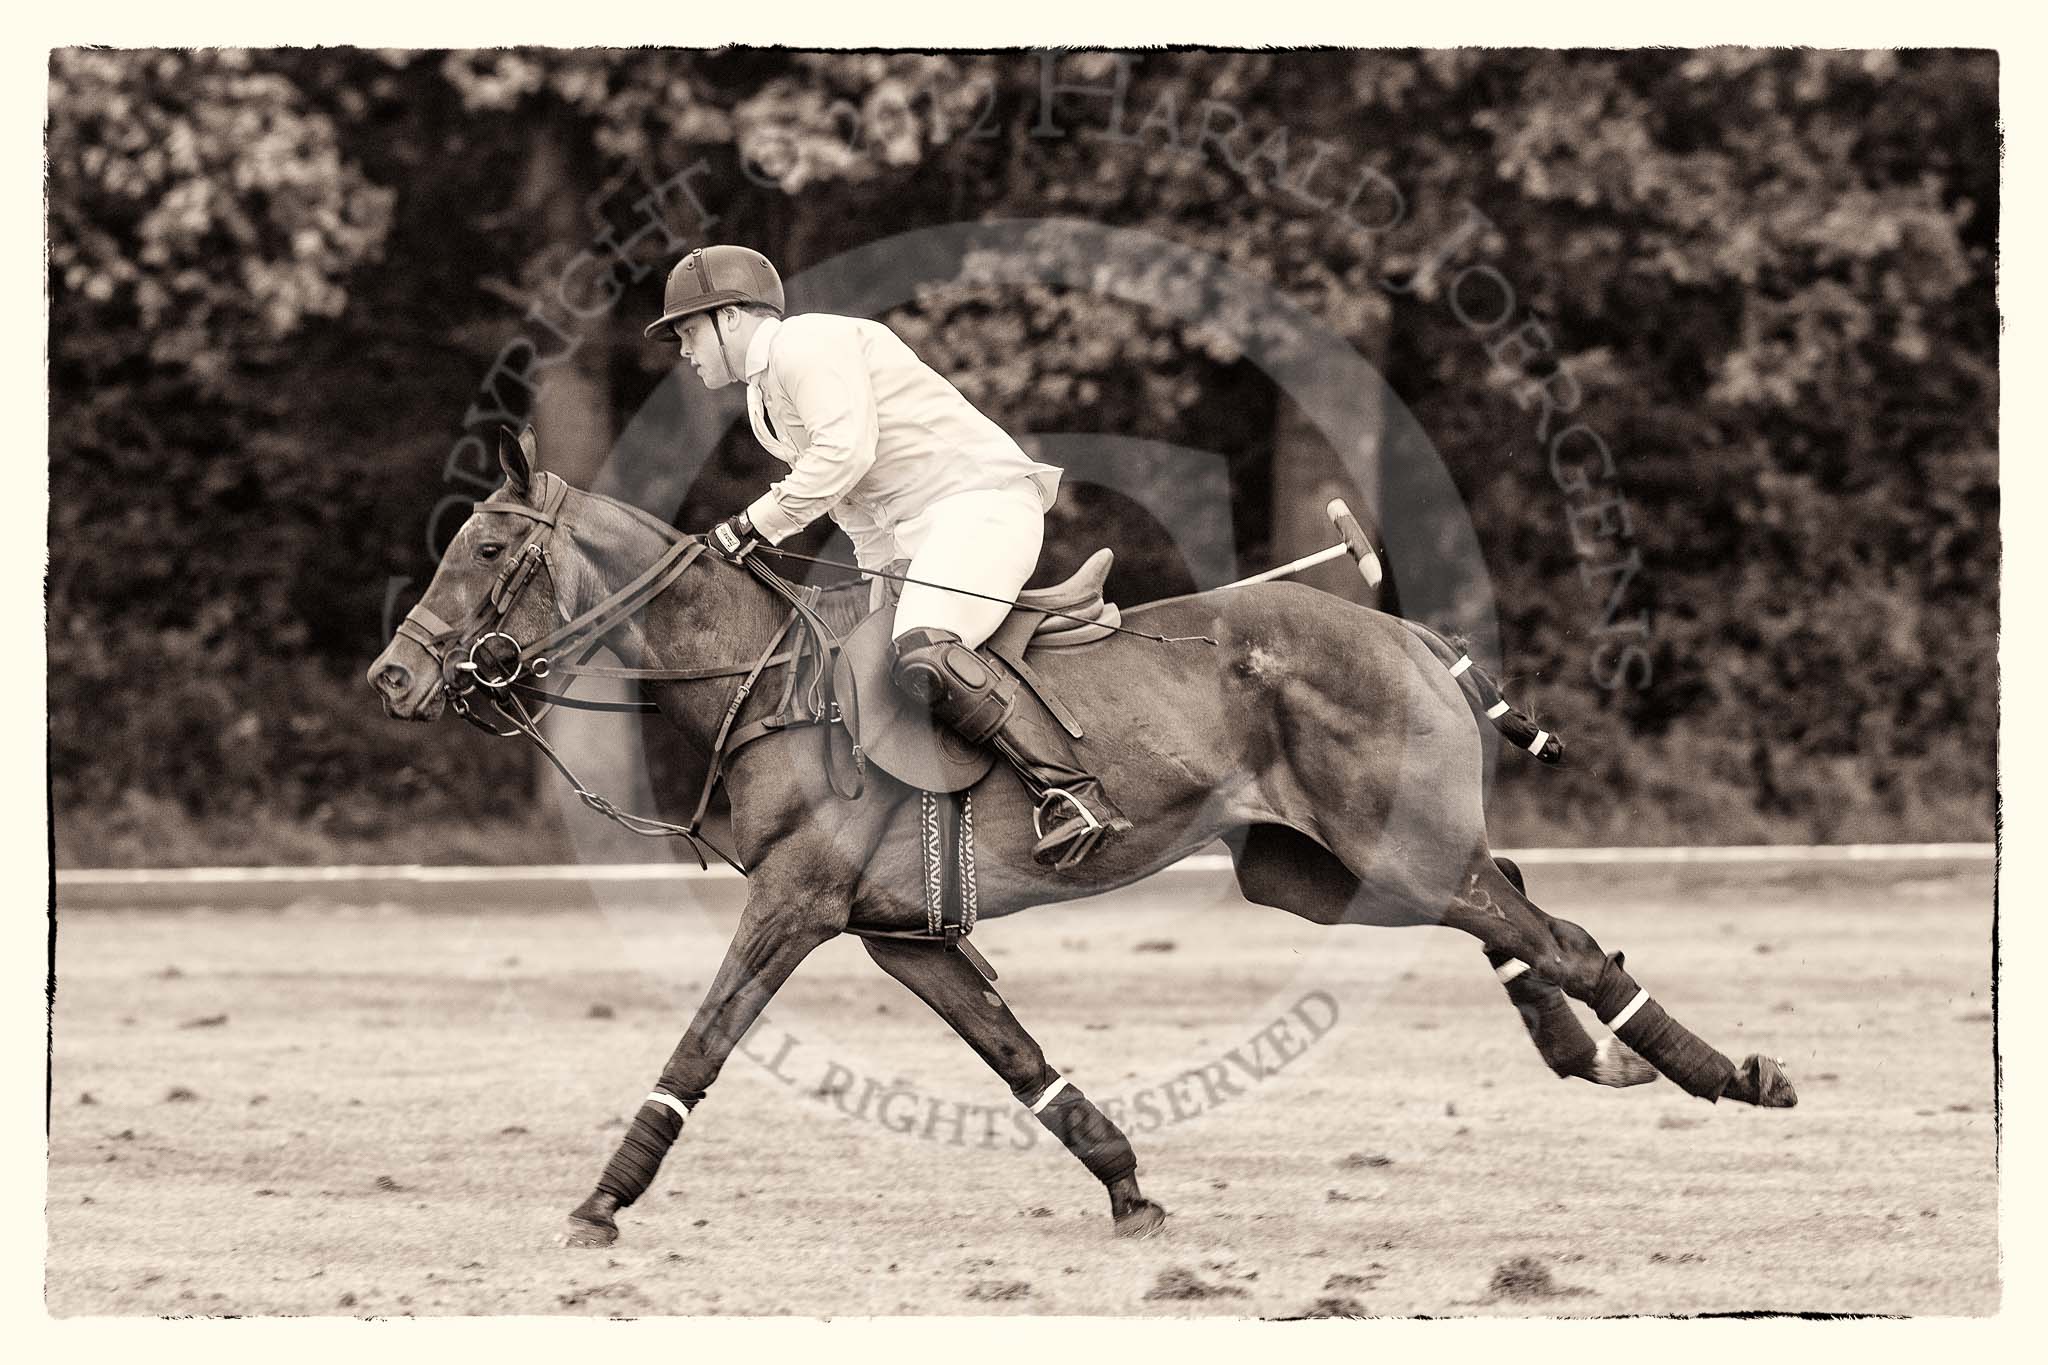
(1308, 712)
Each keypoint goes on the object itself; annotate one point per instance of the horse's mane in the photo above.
(660, 525)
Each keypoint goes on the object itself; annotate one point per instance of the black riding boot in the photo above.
(980, 705)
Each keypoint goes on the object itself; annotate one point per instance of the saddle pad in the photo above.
(1056, 632)
(893, 732)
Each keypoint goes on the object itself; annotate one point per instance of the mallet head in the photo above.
(1354, 540)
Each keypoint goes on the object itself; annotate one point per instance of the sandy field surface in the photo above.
(385, 1109)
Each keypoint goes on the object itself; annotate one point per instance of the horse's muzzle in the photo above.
(410, 689)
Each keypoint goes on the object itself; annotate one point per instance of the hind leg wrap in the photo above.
(1083, 1130)
(1547, 1015)
(1668, 1045)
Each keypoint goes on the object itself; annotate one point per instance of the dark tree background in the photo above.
(279, 283)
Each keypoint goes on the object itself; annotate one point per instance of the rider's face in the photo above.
(697, 342)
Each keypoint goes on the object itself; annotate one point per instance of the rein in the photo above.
(486, 673)
(497, 677)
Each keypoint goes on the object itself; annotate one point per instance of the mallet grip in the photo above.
(1354, 540)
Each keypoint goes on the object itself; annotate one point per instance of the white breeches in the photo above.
(985, 540)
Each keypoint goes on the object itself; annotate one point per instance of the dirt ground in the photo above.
(385, 1110)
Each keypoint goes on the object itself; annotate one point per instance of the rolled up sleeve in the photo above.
(827, 379)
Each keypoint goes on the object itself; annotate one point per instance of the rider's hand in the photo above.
(733, 537)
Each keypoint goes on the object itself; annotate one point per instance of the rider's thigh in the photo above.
(986, 541)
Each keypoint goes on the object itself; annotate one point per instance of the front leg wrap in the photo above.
(655, 1129)
(1665, 1043)
(1082, 1129)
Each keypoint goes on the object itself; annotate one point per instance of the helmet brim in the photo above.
(664, 328)
(666, 323)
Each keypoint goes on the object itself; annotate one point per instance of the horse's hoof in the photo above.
(582, 1232)
(1144, 1219)
(1763, 1083)
(1617, 1064)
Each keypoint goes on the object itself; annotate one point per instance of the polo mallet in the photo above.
(1354, 544)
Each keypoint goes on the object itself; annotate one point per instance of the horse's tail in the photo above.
(1482, 693)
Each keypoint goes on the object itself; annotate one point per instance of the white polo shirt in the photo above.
(871, 433)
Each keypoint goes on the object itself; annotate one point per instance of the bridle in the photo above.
(463, 671)
(475, 675)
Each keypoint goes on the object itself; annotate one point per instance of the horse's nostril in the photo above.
(395, 678)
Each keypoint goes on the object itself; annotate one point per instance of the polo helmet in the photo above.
(713, 276)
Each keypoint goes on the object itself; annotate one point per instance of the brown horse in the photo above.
(1328, 745)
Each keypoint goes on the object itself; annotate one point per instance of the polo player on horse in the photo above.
(1343, 769)
(911, 471)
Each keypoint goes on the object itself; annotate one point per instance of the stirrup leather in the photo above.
(973, 698)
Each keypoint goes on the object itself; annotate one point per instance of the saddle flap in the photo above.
(893, 732)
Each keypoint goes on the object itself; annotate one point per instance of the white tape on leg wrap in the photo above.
(671, 1102)
(1628, 1011)
(1509, 970)
(1536, 744)
(1498, 709)
(1047, 1097)
(1464, 662)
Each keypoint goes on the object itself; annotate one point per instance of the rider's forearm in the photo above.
(813, 488)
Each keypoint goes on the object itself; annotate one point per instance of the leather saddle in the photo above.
(902, 739)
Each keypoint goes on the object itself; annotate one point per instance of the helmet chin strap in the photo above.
(732, 371)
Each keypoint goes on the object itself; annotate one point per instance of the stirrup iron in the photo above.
(1077, 834)
(1089, 823)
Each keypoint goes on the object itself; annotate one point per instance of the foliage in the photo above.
(204, 213)
(277, 280)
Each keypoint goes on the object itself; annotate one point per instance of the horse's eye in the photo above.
(489, 551)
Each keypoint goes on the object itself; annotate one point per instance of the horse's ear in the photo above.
(518, 457)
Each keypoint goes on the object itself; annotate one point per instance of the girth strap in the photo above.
(959, 945)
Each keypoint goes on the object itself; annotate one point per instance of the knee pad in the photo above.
(934, 668)
(918, 670)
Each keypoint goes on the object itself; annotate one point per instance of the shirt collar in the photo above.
(757, 349)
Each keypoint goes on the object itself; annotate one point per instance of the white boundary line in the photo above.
(1198, 863)
(1762, 853)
